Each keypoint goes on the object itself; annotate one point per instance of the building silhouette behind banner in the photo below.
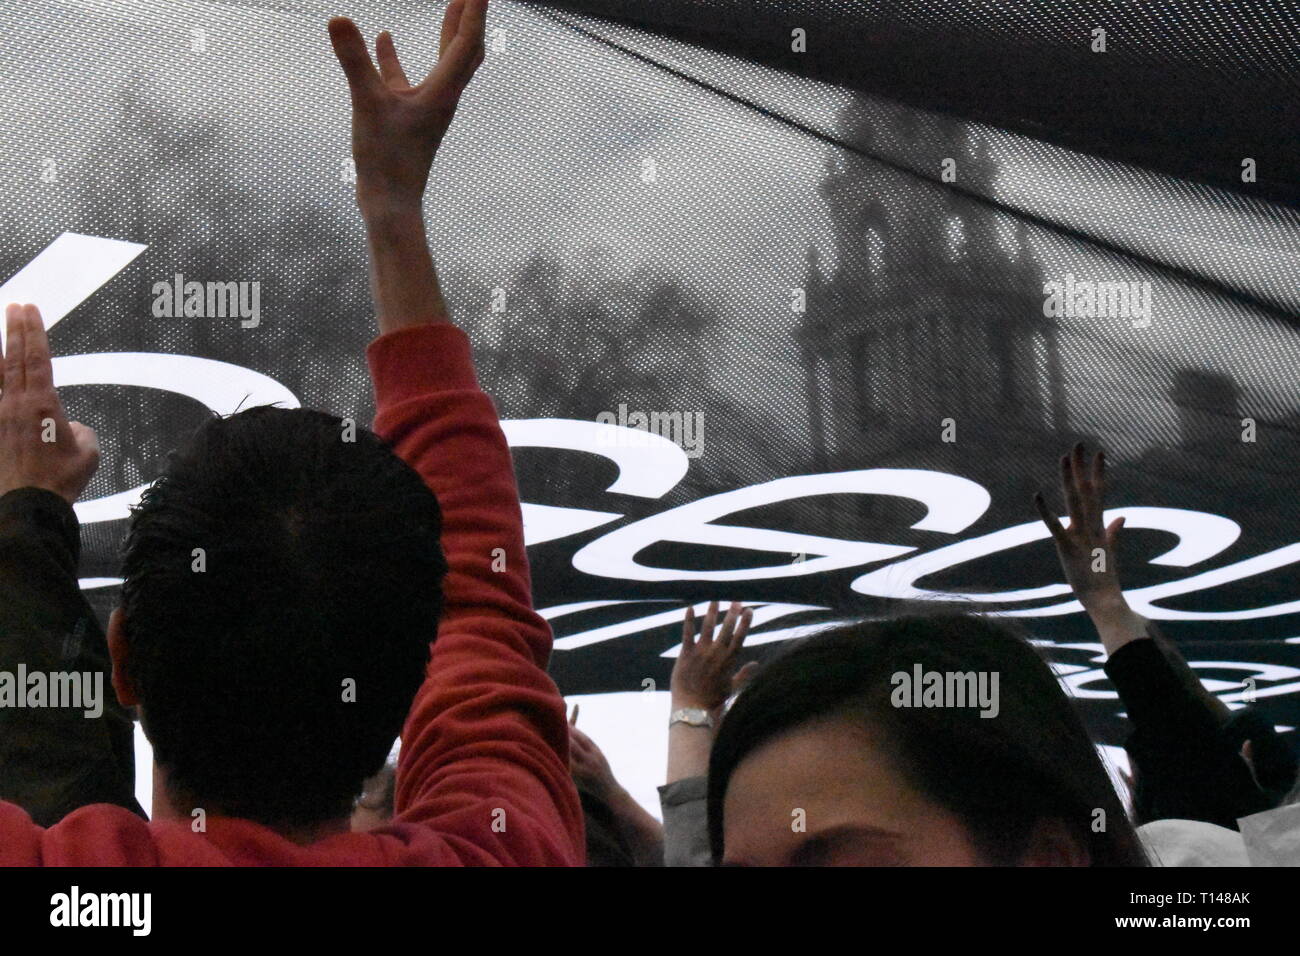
(924, 342)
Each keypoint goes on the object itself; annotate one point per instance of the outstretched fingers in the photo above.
(1112, 534)
(1049, 518)
(1085, 474)
(729, 624)
(463, 51)
(736, 626)
(390, 67)
(350, 49)
(710, 622)
(742, 628)
(1083, 483)
(688, 629)
(1070, 489)
(450, 24)
(39, 369)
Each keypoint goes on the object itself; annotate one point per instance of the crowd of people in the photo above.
(297, 594)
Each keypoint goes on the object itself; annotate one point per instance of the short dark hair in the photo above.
(320, 564)
(999, 775)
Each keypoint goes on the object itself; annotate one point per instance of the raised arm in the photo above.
(703, 677)
(53, 759)
(1088, 551)
(484, 758)
(396, 131)
(1185, 766)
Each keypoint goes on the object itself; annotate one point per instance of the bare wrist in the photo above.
(1111, 606)
(1117, 624)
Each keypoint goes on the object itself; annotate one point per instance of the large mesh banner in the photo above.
(791, 303)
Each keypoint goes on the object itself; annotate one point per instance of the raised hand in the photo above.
(1087, 549)
(397, 127)
(39, 447)
(703, 674)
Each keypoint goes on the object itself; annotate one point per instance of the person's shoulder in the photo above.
(1192, 843)
(107, 835)
(97, 835)
(1272, 838)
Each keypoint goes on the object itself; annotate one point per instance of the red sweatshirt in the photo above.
(483, 776)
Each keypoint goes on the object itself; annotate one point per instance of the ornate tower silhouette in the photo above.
(931, 310)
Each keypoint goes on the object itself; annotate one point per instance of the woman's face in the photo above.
(827, 794)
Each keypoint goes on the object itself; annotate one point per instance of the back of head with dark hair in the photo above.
(999, 775)
(282, 588)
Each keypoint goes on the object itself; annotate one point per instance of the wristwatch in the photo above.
(691, 716)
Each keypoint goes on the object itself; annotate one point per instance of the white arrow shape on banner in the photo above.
(66, 273)
(222, 387)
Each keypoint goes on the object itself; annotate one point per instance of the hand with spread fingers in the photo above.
(1087, 548)
(396, 127)
(39, 447)
(703, 676)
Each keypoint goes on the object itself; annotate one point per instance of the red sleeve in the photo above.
(485, 749)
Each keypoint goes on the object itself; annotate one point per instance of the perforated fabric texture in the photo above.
(822, 235)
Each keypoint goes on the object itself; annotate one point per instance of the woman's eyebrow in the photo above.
(817, 844)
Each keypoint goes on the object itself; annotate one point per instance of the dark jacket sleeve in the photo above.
(1185, 766)
(55, 759)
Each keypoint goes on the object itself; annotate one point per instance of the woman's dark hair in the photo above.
(1000, 775)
